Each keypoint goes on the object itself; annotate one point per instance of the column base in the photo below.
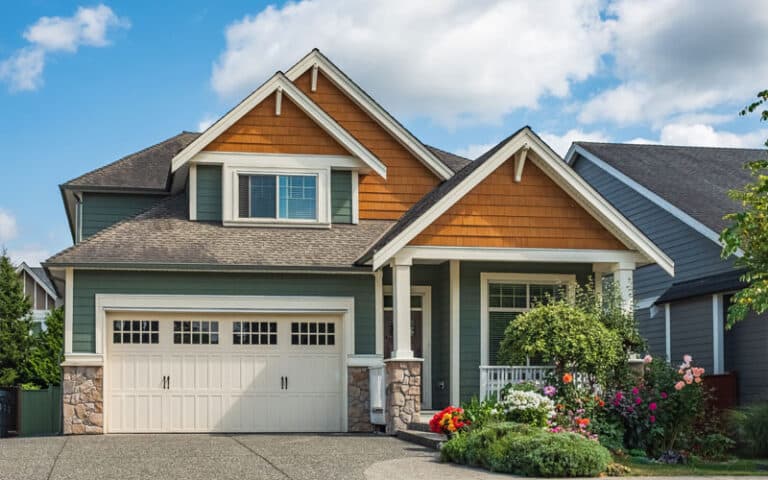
(358, 400)
(82, 400)
(403, 393)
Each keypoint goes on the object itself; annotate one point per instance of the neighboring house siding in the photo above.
(535, 213)
(341, 196)
(691, 331)
(102, 210)
(408, 180)
(209, 192)
(89, 283)
(261, 131)
(469, 304)
(653, 329)
(745, 346)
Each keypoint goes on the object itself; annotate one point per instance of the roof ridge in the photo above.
(659, 145)
(446, 151)
(125, 157)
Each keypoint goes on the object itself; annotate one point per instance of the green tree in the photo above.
(48, 350)
(748, 232)
(15, 325)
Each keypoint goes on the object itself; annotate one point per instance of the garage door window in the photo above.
(254, 333)
(313, 333)
(195, 333)
(135, 331)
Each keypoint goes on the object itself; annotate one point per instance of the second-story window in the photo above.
(291, 197)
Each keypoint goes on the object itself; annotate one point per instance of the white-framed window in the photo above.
(504, 296)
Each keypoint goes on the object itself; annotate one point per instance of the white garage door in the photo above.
(225, 373)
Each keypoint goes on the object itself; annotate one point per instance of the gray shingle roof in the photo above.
(40, 272)
(148, 169)
(163, 236)
(451, 160)
(694, 179)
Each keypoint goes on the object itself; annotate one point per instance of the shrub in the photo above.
(479, 413)
(525, 450)
(522, 406)
(749, 426)
(715, 446)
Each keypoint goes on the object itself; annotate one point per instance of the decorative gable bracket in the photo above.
(520, 162)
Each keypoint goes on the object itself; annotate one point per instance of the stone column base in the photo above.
(358, 400)
(403, 394)
(83, 405)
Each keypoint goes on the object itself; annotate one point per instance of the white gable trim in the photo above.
(660, 202)
(564, 176)
(26, 268)
(385, 120)
(276, 83)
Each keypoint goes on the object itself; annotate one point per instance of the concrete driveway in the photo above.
(192, 457)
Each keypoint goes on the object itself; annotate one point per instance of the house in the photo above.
(677, 196)
(307, 264)
(40, 291)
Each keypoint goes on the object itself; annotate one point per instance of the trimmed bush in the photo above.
(749, 426)
(525, 450)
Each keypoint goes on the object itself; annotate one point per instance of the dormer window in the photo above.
(284, 197)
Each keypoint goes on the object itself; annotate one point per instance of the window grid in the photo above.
(195, 332)
(313, 333)
(136, 332)
(271, 196)
(254, 333)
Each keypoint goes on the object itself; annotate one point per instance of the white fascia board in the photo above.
(37, 279)
(563, 175)
(279, 81)
(653, 197)
(379, 115)
(542, 255)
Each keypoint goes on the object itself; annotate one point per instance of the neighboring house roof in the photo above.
(441, 198)
(722, 282)
(147, 169)
(453, 161)
(694, 179)
(39, 275)
(163, 236)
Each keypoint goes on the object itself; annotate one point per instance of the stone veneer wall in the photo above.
(359, 400)
(403, 394)
(83, 389)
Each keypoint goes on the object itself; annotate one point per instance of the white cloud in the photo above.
(706, 136)
(681, 56)
(454, 62)
(8, 227)
(32, 255)
(87, 27)
(475, 150)
(561, 143)
(206, 122)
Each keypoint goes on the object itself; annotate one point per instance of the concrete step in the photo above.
(425, 439)
(419, 426)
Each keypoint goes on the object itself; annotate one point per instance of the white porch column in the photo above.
(622, 276)
(378, 278)
(598, 271)
(69, 288)
(455, 329)
(401, 309)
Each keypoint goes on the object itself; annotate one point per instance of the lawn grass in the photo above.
(735, 467)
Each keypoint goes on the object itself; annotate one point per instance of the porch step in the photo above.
(425, 439)
(419, 426)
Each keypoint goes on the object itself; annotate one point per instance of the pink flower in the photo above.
(638, 400)
(652, 406)
(652, 419)
(619, 396)
(550, 391)
(664, 395)
(688, 377)
(687, 358)
(635, 391)
(647, 359)
(616, 403)
(631, 409)
(679, 385)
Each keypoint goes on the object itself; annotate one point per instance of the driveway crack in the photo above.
(261, 457)
(56, 458)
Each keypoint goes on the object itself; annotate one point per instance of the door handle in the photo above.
(164, 380)
(169, 383)
(282, 383)
(286, 383)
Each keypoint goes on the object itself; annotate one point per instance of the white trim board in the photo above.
(280, 81)
(28, 270)
(548, 161)
(316, 59)
(546, 255)
(653, 197)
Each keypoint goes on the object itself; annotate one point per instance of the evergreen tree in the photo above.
(15, 325)
(48, 350)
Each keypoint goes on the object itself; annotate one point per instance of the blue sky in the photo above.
(82, 84)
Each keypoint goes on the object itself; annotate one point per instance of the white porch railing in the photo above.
(377, 394)
(494, 378)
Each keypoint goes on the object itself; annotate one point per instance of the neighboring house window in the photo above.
(507, 299)
(288, 197)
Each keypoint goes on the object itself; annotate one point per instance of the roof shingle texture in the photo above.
(148, 169)
(694, 179)
(162, 235)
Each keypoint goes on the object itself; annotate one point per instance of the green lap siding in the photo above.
(341, 196)
(102, 210)
(469, 305)
(90, 283)
(209, 193)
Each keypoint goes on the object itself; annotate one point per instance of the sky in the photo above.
(83, 84)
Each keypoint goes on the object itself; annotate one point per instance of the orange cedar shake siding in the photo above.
(408, 180)
(535, 213)
(260, 130)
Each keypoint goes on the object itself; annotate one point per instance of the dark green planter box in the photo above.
(40, 412)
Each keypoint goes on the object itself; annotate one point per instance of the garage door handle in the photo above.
(286, 383)
(164, 380)
(282, 383)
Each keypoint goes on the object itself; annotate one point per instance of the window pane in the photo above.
(497, 323)
(263, 196)
(544, 293)
(298, 197)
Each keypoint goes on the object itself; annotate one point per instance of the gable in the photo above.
(408, 179)
(261, 131)
(535, 213)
